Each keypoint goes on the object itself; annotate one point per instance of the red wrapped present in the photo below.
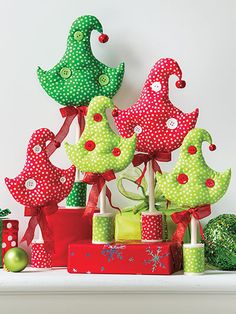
(162, 258)
(8, 236)
(67, 226)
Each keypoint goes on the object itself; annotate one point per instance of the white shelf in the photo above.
(53, 281)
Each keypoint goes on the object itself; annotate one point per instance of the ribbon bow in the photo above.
(97, 181)
(69, 113)
(145, 158)
(39, 217)
(183, 218)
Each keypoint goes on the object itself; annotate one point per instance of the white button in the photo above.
(156, 86)
(9, 238)
(4, 245)
(13, 243)
(138, 129)
(30, 184)
(63, 179)
(9, 225)
(37, 149)
(172, 123)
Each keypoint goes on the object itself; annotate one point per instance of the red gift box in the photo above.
(8, 236)
(67, 226)
(162, 258)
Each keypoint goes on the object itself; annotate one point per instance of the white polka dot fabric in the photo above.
(159, 125)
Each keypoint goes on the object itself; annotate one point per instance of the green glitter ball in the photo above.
(15, 260)
(220, 242)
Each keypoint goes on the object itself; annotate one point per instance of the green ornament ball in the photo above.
(220, 242)
(15, 260)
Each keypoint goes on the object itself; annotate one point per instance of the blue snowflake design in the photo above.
(113, 252)
(155, 258)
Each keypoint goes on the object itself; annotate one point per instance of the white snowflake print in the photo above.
(155, 258)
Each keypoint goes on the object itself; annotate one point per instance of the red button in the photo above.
(182, 178)
(89, 145)
(212, 147)
(210, 183)
(115, 113)
(97, 117)
(103, 38)
(192, 150)
(116, 151)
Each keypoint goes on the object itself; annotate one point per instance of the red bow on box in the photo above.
(39, 217)
(97, 181)
(69, 113)
(182, 219)
(145, 158)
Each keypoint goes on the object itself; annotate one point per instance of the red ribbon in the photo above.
(38, 217)
(69, 113)
(97, 181)
(182, 219)
(145, 158)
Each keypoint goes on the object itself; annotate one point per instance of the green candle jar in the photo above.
(77, 196)
(194, 259)
(103, 228)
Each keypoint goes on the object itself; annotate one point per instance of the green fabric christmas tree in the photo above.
(99, 149)
(79, 76)
(192, 182)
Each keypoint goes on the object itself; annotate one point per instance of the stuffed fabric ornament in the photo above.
(99, 149)
(220, 243)
(79, 76)
(40, 186)
(192, 183)
(159, 125)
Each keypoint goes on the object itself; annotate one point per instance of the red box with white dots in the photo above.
(155, 258)
(8, 236)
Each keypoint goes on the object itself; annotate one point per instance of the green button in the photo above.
(65, 73)
(78, 36)
(103, 80)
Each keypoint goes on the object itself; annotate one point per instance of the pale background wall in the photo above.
(200, 35)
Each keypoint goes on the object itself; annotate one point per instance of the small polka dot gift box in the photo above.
(8, 236)
(134, 257)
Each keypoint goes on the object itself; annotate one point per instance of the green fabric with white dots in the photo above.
(194, 192)
(101, 158)
(103, 229)
(79, 76)
(77, 196)
(194, 260)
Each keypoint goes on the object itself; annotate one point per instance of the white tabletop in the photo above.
(57, 280)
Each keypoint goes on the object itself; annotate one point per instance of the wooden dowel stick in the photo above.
(151, 187)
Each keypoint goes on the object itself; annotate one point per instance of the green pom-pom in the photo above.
(220, 242)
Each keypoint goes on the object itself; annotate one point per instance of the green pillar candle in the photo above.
(103, 228)
(77, 196)
(194, 259)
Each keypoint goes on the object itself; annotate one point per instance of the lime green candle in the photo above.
(194, 259)
(103, 228)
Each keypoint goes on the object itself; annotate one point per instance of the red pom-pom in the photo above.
(210, 183)
(89, 145)
(192, 150)
(180, 84)
(57, 144)
(97, 117)
(103, 38)
(212, 147)
(115, 113)
(182, 178)
(116, 151)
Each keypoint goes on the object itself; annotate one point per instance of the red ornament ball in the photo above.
(210, 183)
(116, 151)
(192, 150)
(103, 38)
(89, 145)
(57, 144)
(97, 117)
(212, 147)
(182, 178)
(180, 84)
(115, 113)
